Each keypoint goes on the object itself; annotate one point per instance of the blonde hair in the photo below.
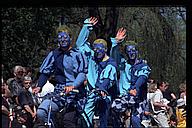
(152, 87)
(64, 28)
(182, 87)
(101, 41)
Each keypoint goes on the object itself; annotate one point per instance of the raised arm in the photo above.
(120, 36)
(114, 52)
(84, 33)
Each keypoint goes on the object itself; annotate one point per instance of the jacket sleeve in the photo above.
(143, 75)
(114, 43)
(46, 69)
(84, 34)
(80, 68)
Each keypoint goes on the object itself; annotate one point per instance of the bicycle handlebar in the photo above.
(98, 91)
(63, 93)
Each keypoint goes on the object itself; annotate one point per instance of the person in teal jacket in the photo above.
(134, 73)
(101, 74)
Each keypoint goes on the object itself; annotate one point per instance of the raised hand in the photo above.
(91, 20)
(121, 34)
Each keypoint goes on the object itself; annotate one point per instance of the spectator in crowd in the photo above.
(47, 88)
(101, 74)
(5, 94)
(69, 67)
(182, 89)
(170, 96)
(181, 113)
(26, 102)
(160, 107)
(15, 84)
(152, 87)
(27, 71)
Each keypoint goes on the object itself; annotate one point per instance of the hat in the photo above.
(180, 102)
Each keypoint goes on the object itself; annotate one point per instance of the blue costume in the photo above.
(124, 81)
(134, 74)
(69, 68)
(101, 75)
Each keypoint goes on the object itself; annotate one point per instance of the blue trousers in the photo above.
(90, 106)
(42, 111)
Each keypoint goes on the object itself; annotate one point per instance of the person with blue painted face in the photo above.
(64, 40)
(69, 68)
(101, 75)
(134, 73)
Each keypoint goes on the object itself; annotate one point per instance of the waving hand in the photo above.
(121, 34)
(91, 20)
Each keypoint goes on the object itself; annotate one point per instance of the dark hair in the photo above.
(159, 84)
(29, 69)
(150, 80)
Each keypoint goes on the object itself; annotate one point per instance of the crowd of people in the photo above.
(84, 81)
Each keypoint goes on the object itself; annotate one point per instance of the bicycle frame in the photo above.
(49, 122)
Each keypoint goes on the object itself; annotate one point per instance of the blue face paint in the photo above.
(131, 52)
(63, 40)
(99, 51)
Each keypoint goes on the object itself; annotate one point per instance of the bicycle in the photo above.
(50, 123)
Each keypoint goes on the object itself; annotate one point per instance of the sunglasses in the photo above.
(20, 72)
(27, 82)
